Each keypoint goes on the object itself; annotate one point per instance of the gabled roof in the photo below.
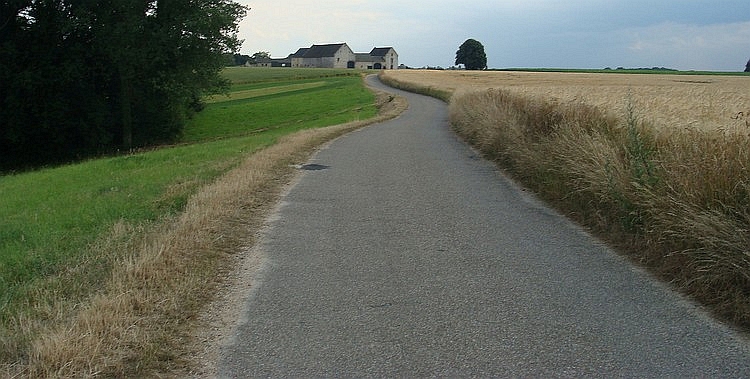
(380, 51)
(320, 51)
(300, 53)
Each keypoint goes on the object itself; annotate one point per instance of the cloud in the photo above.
(695, 47)
(685, 34)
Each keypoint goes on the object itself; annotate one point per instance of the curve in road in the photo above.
(404, 254)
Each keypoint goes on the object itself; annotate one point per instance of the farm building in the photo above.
(388, 56)
(271, 62)
(339, 55)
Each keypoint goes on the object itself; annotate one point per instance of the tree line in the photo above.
(84, 77)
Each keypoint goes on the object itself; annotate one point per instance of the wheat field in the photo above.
(675, 101)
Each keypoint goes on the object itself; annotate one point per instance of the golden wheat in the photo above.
(677, 101)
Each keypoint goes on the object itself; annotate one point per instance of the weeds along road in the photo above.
(399, 253)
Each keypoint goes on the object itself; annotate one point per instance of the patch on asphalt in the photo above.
(314, 167)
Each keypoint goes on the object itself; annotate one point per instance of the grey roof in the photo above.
(320, 51)
(300, 53)
(380, 51)
(365, 57)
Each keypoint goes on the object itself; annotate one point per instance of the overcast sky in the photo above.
(684, 34)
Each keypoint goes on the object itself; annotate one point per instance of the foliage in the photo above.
(260, 55)
(747, 66)
(237, 59)
(471, 54)
(86, 77)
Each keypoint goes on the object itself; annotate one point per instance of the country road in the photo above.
(399, 253)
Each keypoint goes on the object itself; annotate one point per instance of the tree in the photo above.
(90, 76)
(471, 54)
(747, 66)
(237, 59)
(261, 55)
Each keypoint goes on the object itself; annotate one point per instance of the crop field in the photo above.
(657, 165)
(72, 237)
(707, 102)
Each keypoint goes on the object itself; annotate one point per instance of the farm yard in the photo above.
(657, 165)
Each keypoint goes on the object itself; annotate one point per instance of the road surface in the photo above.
(399, 253)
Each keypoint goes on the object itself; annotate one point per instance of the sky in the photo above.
(686, 34)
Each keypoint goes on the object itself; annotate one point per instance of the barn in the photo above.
(340, 55)
(337, 55)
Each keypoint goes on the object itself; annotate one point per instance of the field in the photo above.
(658, 165)
(104, 263)
(675, 101)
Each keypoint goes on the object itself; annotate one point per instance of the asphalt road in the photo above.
(399, 253)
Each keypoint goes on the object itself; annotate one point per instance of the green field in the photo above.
(53, 220)
(291, 104)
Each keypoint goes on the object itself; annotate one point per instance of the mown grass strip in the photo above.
(340, 100)
(238, 94)
(243, 75)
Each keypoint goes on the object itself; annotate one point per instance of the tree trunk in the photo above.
(126, 108)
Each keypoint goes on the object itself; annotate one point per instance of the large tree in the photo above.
(471, 54)
(87, 76)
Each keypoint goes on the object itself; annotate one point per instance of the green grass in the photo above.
(299, 103)
(244, 75)
(52, 219)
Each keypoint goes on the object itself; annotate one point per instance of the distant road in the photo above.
(399, 253)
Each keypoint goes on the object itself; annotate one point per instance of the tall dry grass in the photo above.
(142, 324)
(677, 200)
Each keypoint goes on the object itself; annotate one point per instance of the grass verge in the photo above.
(675, 200)
(437, 93)
(118, 290)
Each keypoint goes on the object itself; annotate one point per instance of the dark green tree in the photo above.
(163, 57)
(261, 55)
(747, 66)
(52, 102)
(471, 54)
(89, 76)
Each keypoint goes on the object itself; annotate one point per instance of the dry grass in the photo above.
(658, 166)
(143, 324)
